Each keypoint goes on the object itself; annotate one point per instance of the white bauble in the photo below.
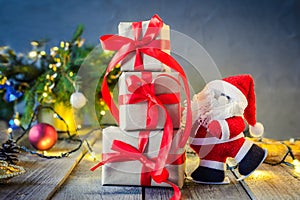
(77, 100)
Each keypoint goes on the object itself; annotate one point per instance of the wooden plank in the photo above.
(193, 190)
(273, 182)
(84, 184)
(43, 176)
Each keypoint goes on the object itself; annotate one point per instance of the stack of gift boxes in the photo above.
(143, 150)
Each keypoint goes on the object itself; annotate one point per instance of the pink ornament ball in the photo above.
(42, 136)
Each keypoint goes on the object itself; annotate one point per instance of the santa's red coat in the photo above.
(226, 145)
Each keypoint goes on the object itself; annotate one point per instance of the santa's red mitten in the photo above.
(215, 129)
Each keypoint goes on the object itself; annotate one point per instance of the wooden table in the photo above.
(70, 178)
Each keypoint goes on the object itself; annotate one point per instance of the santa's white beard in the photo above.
(205, 107)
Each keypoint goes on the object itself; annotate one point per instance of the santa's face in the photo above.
(223, 106)
(220, 98)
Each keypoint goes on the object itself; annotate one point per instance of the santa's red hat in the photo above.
(241, 89)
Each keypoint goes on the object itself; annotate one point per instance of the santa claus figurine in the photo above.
(219, 114)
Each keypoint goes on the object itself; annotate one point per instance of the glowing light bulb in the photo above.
(32, 54)
(34, 43)
(17, 122)
(54, 68)
(62, 44)
(9, 130)
(296, 164)
(102, 103)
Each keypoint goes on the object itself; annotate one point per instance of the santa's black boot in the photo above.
(254, 157)
(207, 175)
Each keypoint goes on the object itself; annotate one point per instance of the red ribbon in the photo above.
(120, 43)
(124, 47)
(126, 152)
(143, 90)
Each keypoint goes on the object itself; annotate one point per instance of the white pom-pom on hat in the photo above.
(257, 130)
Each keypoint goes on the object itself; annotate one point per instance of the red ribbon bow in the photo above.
(143, 91)
(126, 152)
(127, 45)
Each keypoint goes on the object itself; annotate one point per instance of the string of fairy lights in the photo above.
(41, 80)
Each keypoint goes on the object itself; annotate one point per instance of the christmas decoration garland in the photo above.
(10, 148)
(38, 77)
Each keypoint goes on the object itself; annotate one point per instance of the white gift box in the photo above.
(134, 116)
(150, 63)
(129, 172)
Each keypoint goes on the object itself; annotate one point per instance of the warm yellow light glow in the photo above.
(92, 157)
(68, 116)
(54, 68)
(296, 164)
(34, 43)
(3, 80)
(32, 54)
(43, 53)
(53, 152)
(53, 51)
(45, 143)
(102, 103)
(17, 122)
(71, 74)
(45, 94)
(102, 112)
(261, 175)
(62, 44)
(9, 130)
(55, 115)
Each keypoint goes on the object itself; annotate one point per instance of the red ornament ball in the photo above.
(42, 136)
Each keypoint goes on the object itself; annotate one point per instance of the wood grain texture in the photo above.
(193, 190)
(273, 182)
(43, 176)
(66, 179)
(84, 184)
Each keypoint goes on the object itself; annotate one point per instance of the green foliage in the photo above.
(49, 78)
